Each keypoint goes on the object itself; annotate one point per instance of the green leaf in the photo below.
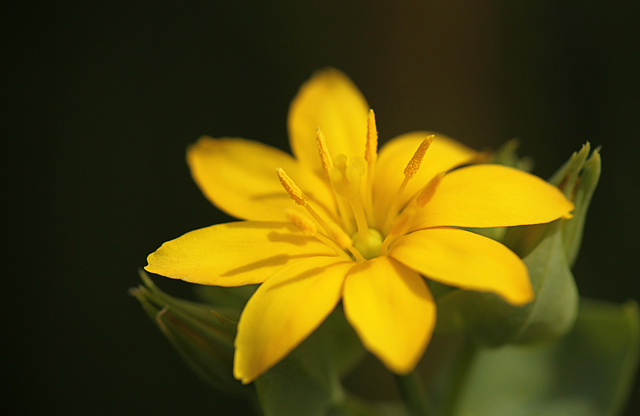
(307, 381)
(494, 322)
(589, 372)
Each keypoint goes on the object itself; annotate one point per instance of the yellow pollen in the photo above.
(292, 189)
(345, 242)
(341, 238)
(309, 228)
(416, 160)
(370, 156)
(299, 197)
(371, 149)
(325, 156)
(409, 172)
(429, 190)
(303, 223)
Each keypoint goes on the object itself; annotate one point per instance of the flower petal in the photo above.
(465, 260)
(329, 100)
(284, 311)
(234, 254)
(392, 310)
(492, 196)
(239, 177)
(443, 154)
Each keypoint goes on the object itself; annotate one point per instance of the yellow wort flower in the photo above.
(363, 227)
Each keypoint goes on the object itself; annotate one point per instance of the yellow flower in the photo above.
(362, 227)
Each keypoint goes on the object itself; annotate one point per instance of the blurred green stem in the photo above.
(413, 394)
(463, 364)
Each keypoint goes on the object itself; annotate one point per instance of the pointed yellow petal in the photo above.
(234, 254)
(492, 196)
(465, 260)
(392, 310)
(330, 101)
(443, 154)
(284, 311)
(239, 176)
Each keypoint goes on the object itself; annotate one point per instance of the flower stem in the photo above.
(466, 358)
(413, 395)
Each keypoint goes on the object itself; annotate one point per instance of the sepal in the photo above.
(202, 334)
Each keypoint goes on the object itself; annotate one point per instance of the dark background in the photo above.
(100, 100)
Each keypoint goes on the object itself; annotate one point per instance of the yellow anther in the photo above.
(341, 238)
(416, 160)
(303, 223)
(309, 228)
(371, 149)
(325, 156)
(370, 156)
(292, 189)
(429, 190)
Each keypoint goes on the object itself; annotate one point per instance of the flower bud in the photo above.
(202, 334)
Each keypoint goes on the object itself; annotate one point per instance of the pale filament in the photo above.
(327, 166)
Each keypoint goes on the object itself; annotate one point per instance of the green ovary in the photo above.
(368, 244)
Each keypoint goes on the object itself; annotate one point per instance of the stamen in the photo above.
(371, 149)
(327, 166)
(346, 179)
(360, 216)
(325, 156)
(303, 223)
(292, 189)
(429, 190)
(416, 160)
(298, 196)
(345, 243)
(409, 172)
(401, 224)
(370, 156)
(340, 237)
(309, 228)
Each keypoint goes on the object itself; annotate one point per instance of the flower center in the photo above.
(346, 180)
(351, 180)
(368, 244)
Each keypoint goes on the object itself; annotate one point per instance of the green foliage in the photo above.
(494, 322)
(586, 373)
